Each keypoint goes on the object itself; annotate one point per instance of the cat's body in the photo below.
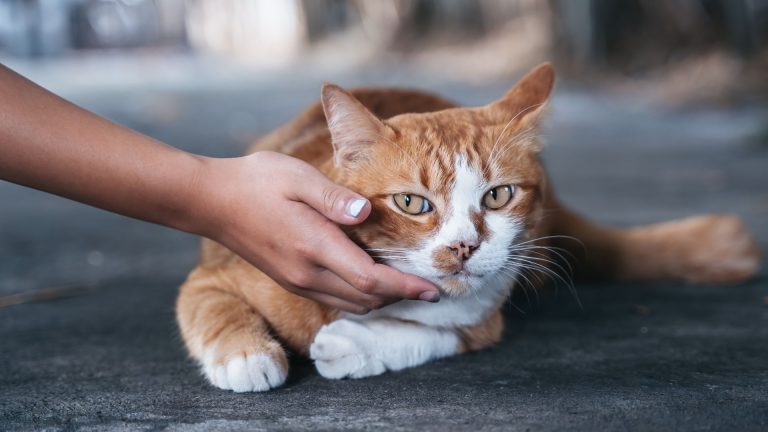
(459, 165)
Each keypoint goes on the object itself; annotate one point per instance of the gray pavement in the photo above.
(636, 357)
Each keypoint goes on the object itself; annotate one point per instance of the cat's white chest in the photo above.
(451, 311)
(359, 346)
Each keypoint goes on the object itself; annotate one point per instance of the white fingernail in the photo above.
(354, 208)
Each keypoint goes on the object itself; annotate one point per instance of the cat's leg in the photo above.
(229, 339)
(355, 349)
(701, 249)
(359, 348)
(484, 334)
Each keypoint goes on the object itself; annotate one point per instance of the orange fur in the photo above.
(231, 309)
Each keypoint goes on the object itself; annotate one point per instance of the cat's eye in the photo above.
(498, 197)
(412, 204)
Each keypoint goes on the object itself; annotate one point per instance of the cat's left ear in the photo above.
(526, 102)
(353, 128)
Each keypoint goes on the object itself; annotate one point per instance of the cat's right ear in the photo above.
(353, 128)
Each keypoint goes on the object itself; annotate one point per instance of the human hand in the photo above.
(271, 209)
(278, 213)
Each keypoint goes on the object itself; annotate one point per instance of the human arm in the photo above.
(268, 208)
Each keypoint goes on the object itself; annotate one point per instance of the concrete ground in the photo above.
(635, 357)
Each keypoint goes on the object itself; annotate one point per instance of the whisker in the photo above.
(510, 299)
(554, 249)
(522, 136)
(519, 272)
(532, 265)
(552, 262)
(525, 292)
(512, 303)
(535, 265)
(490, 158)
(532, 286)
(565, 237)
(493, 149)
(542, 256)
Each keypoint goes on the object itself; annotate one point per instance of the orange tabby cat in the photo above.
(460, 198)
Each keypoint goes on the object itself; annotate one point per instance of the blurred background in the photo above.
(692, 50)
(666, 97)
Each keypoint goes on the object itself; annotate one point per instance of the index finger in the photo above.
(360, 270)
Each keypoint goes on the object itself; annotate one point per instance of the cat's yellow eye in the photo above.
(412, 204)
(498, 197)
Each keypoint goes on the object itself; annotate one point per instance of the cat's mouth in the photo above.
(458, 283)
(461, 274)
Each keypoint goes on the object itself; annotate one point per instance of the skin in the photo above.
(277, 212)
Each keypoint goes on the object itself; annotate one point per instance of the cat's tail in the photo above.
(699, 249)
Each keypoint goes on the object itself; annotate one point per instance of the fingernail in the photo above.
(355, 207)
(430, 296)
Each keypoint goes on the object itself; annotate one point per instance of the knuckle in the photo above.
(359, 310)
(375, 303)
(324, 229)
(301, 171)
(364, 282)
(297, 172)
(331, 198)
(301, 279)
(266, 157)
(325, 233)
(305, 249)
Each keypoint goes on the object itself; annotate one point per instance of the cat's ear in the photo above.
(526, 102)
(353, 128)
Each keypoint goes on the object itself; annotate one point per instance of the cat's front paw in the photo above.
(253, 372)
(345, 349)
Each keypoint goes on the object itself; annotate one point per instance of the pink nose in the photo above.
(463, 249)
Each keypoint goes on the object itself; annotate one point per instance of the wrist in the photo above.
(212, 196)
(194, 197)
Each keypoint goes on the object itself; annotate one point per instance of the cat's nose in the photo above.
(463, 249)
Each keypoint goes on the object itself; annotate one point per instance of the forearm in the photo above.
(50, 144)
(271, 209)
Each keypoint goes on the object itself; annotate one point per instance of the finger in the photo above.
(329, 289)
(335, 202)
(321, 230)
(333, 302)
(360, 271)
(329, 283)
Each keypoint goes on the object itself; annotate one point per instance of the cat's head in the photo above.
(454, 192)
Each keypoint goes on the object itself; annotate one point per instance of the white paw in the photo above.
(251, 373)
(345, 349)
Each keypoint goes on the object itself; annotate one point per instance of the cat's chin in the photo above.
(460, 283)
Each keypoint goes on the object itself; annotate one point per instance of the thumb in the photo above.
(335, 202)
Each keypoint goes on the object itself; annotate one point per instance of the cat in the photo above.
(459, 197)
